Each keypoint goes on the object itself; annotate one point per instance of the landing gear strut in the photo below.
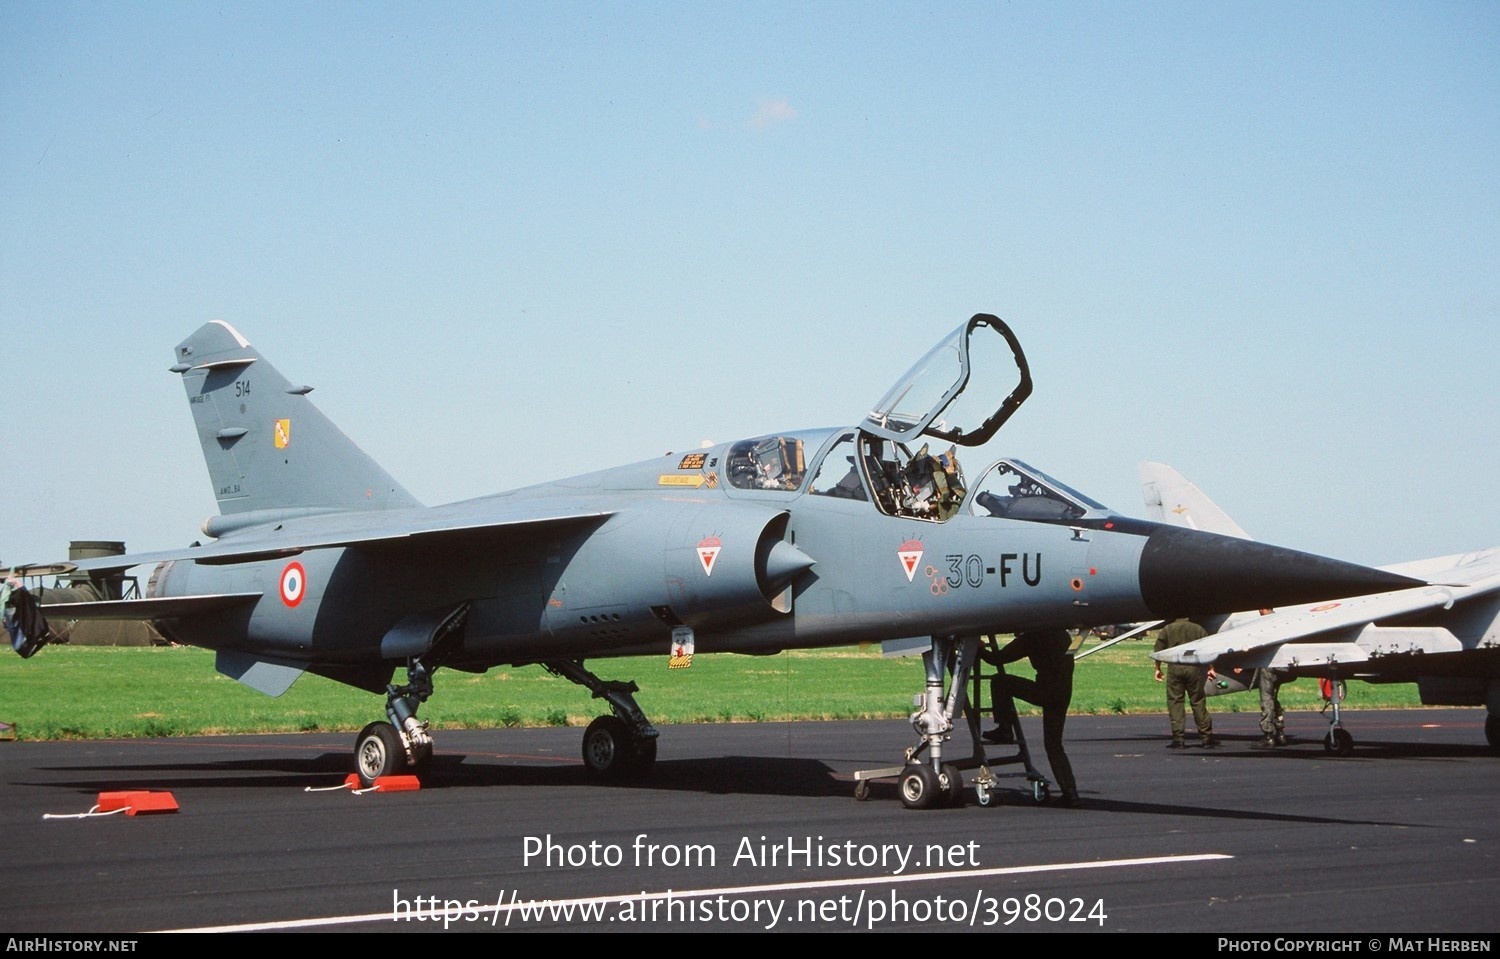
(927, 782)
(617, 747)
(403, 744)
(1338, 741)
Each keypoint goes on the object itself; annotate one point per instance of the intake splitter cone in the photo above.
(1187, 572)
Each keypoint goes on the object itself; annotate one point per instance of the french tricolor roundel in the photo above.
(910, 554)
(293, 584)
(708, 551)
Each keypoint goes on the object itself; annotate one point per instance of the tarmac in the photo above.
(754, 827)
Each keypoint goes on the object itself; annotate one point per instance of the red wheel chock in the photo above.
(384, 784)
(134, 802)
(130, 802)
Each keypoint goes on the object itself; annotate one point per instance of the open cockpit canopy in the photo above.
(961, 392)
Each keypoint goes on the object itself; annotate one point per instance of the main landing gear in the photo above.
(403, 744)
(617, 747)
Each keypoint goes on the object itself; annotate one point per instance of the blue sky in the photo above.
(513, 242)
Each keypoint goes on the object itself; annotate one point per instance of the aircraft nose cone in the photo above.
(1186, 572)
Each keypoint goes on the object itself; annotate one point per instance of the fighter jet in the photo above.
(1445, 637)
(319, 561)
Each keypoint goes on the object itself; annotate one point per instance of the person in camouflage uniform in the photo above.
(1185, 682)
(1272, 719)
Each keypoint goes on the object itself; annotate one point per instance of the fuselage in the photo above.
(750, 564)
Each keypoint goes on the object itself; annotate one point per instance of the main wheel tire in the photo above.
(422, 765)
(919, 786)
(608, 753)
(645, 756)
(953, 784)
(1338, 742)
(378, 752)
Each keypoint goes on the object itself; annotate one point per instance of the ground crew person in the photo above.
(1272, 719)
(1052, 690)
(1185, 681)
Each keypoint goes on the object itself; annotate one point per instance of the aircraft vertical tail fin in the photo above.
(268, 448)
(1172, 499)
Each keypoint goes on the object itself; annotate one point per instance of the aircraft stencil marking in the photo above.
(283, 434)
(938, 585)
(682, 648)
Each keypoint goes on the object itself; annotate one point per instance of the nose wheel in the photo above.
(919, 786)
(923, 787)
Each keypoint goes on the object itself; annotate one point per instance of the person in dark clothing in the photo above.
(1047, 649)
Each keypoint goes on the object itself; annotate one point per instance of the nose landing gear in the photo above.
(931, 781)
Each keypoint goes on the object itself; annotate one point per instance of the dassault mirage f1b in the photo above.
(321, 562)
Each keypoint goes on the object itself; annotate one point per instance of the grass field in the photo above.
(93, 692)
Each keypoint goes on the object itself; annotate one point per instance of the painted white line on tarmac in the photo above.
(499, 908)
